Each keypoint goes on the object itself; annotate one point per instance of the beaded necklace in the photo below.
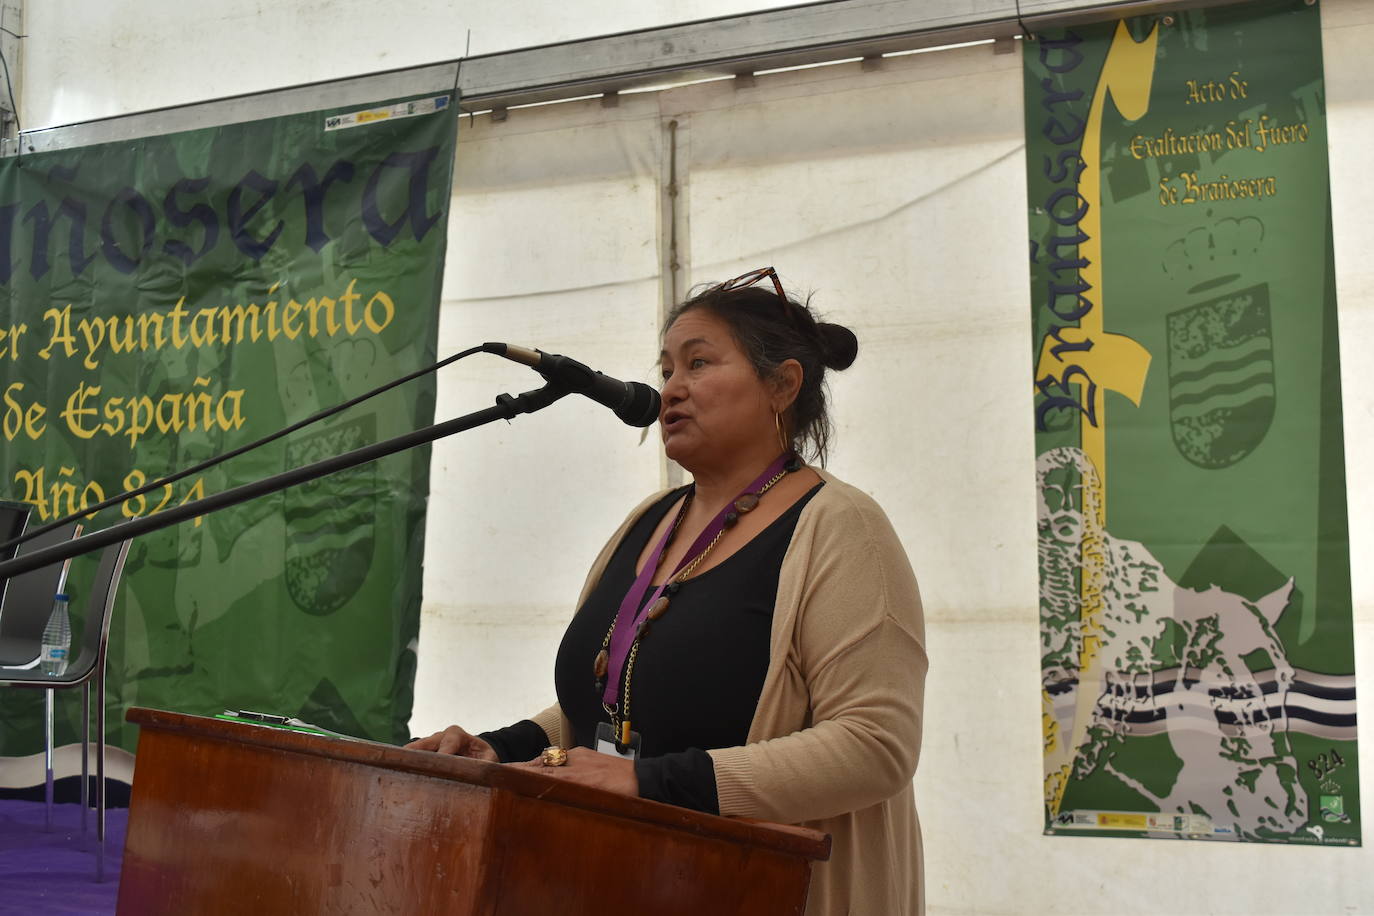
(614, 664)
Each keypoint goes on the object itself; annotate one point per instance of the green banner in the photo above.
(169, 299)
(1197, 645)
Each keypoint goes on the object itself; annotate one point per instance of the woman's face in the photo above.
(715, 409)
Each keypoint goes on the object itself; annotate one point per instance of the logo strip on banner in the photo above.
(388, 113)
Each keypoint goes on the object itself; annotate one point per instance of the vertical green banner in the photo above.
(1197, 644)
(169, 299)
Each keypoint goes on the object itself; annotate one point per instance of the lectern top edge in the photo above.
(782, 838)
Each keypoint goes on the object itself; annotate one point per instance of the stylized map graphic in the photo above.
(1203, 668)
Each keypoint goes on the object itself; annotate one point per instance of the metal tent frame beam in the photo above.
(786, 37)
(734, 45)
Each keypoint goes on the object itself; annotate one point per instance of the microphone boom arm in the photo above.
(507, 407)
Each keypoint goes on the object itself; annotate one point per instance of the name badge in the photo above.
(606, 743)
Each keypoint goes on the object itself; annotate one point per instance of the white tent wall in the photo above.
(88, 59)
(552, 243)
(897, 196)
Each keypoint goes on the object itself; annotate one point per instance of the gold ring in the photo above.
(553, 757)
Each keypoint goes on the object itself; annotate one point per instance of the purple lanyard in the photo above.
(634, 607)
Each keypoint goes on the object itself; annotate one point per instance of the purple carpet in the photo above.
(54, 873)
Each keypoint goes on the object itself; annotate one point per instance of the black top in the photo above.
(699, 671)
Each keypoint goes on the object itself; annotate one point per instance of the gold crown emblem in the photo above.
(1212, 255)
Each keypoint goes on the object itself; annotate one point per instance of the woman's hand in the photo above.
(590, 768)
(454, 740)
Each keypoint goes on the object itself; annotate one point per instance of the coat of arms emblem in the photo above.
(1221, 377)
(330, 521)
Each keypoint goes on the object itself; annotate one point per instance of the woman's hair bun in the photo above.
(838, 345)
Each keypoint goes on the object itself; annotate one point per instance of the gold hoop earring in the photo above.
(782, 439)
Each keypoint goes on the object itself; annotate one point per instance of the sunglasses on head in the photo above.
(749, 279)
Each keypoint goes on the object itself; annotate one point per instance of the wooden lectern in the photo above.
(235, 818)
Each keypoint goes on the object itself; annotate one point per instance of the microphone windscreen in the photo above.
(641, 407)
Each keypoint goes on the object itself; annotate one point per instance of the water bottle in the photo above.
(57, 638)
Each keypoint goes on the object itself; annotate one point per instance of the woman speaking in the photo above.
(751, 644)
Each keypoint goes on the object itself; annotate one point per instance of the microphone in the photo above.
(633, 402)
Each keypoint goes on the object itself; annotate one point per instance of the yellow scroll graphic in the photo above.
(1115, 362)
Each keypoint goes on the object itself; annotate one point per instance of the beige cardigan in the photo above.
(837, 732)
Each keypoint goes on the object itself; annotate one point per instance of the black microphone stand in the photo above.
(507, 407)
